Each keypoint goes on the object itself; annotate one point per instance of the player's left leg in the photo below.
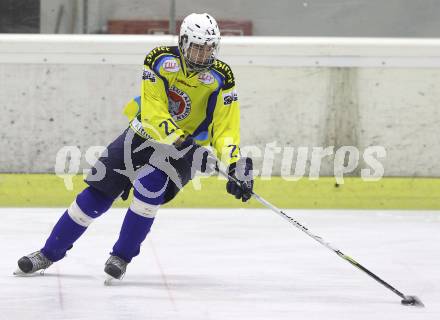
(152, 189)
(148, 195)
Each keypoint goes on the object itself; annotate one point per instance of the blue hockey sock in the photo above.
(149, 192)
(133, 232)
(88, 205)
(63, 235)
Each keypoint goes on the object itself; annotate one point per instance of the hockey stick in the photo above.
(406, 300)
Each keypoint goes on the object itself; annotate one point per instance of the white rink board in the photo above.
(237, 51)
(229, 264)
(65, 90)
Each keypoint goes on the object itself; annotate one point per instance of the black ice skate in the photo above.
(32, 262)
(115, 267)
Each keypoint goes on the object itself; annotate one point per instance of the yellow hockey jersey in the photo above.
(175, 102)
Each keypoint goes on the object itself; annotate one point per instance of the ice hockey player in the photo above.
(188, 101)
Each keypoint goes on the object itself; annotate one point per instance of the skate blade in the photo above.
(109, 281)
(19, 273)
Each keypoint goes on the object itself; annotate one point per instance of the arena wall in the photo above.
(61, 91)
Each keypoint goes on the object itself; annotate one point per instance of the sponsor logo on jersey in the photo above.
(206, 78)
(230, 97)
(179, 104)
(171, 65)
(148, 75)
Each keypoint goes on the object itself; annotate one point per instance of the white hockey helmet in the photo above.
(199, 41)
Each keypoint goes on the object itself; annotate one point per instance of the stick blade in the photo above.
(412, 301)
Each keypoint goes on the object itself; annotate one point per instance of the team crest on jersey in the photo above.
(206, 78)
(179, 104)
(171, 65)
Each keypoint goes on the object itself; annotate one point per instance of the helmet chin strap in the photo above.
(193, 67)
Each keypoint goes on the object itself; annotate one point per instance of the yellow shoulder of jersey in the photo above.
(163, 60)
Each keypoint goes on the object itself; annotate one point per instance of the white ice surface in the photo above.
(229, 264)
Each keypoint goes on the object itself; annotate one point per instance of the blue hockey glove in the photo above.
(242, 171)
